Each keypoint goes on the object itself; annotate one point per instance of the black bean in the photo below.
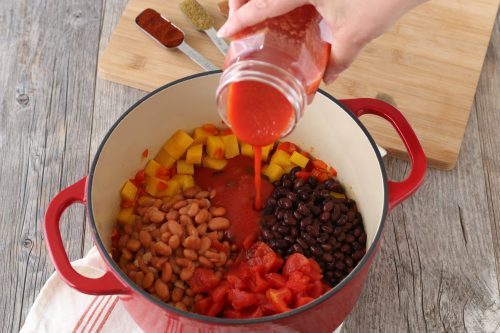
(297, 248)
(303, 196)
(275, 227)
(337, 231)
(342, 220)
(290, 221)
(279, 192)
(339, 256)
(295, 170)
(329, 275)
(356, 246)
(298, 183)
(362, 238)
(305, 222)
(312, 231)
(294, 232)
(337, 188)
(327, 227)
(338, 275)
(279, 213)
(358, 254)
(313, 181)
(285, 203)
(292, 196)
(289, 239)
(309, 239)
(325, 216)
(327, 257)
(329, 184)
(350, 216)
(328, 206)
(348, 261)
(336, 213)
(340, 265)
(272, 243)
(316, 250)
(349, 238)
(267, 234)
(325, 194)
(344, 208)
(348, 226)
(357, 232)
(284, 230)
(302, 242)
(297, 215)
(302, 209)
(345, 249)
(315, 210)
(327, 247)
(341, 237)
(282, 244)
(281, 252)
(323, 238)
(287, 183)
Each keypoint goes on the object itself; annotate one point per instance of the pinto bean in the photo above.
(219, 223)
(162, 248)
(218, 211)
(174, 242)
(161, 290)
(202, 216)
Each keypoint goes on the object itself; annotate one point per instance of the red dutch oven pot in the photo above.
(331, 127)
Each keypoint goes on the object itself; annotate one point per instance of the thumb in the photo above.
(256, 11)
(343, 53)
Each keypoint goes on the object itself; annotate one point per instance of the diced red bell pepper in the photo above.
(262, 258)
(139, 178)
(323, 177)
(127, 204)
(303, 175)
(280, 298)
(250, 240)
(219, 154)
(221, 247)
(203, 305)
(162, 186)
(288, 147)
(332, 171)
(226, 131)
(210, 128)
(145, 153)
(240, 299)
(319, 164)
(162, 172)
(303, 300)
(257, 284)
(220, 292)
(276, 280)
(203, 280)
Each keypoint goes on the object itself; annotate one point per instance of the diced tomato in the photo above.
(262, 258)
(326, 287)
(232, 314)
(316, 172)
(221, 247)
(250, 240)
(306, 154)
(240, 299)
(276, 280)
(139, 178)
(303, 300)
(162, 186)
(162, 172)
(226, 131)
(145, 153)
(215, 308)
(210, 128)
(257, 284)
(288, 147)
(297, 281)
(323, 177)
(319, 164)
(295, 262)
(279, 298)
(315, 289)
(220, 292)
(313, 270)
(203, 280)
(303, 175)
(253, 312)
(332, 171)
(140, 191)
(127, 204)
(203, 305)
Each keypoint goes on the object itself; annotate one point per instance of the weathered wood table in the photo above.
(438, 266)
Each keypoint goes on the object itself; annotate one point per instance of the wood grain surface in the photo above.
(439, 261)
(429, 64)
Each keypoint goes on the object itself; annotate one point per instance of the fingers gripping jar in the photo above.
(271, 72)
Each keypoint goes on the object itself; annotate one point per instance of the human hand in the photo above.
(353, 23)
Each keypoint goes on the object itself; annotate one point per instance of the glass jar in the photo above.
(271, 72)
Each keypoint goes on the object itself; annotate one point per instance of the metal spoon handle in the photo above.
(219, 42)
(197, 57)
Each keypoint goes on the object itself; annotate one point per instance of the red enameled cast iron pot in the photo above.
(330, 128)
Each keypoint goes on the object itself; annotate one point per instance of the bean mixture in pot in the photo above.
(188, 234)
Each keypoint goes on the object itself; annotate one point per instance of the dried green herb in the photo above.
(197, 14)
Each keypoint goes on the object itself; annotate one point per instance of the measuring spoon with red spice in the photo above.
(167, 34)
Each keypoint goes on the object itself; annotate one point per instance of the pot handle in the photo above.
(398, 191)
(108, 284)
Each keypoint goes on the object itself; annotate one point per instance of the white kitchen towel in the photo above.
(60, 308)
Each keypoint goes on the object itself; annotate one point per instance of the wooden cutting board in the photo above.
(429, 64)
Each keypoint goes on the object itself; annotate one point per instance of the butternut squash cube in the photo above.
(246, 149)
(215, 147)
(274, 172)
(178, 143)
(281, 157)
(157, 188)
(174, 187)
(186, 181)
(151, 168)
(194, 154)
(164, 158)
(299, 159)
(231, 146)
(126, 215)
(129, 191)
(265, 151)
(213, 163)
(200, 135)
(184, 168)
